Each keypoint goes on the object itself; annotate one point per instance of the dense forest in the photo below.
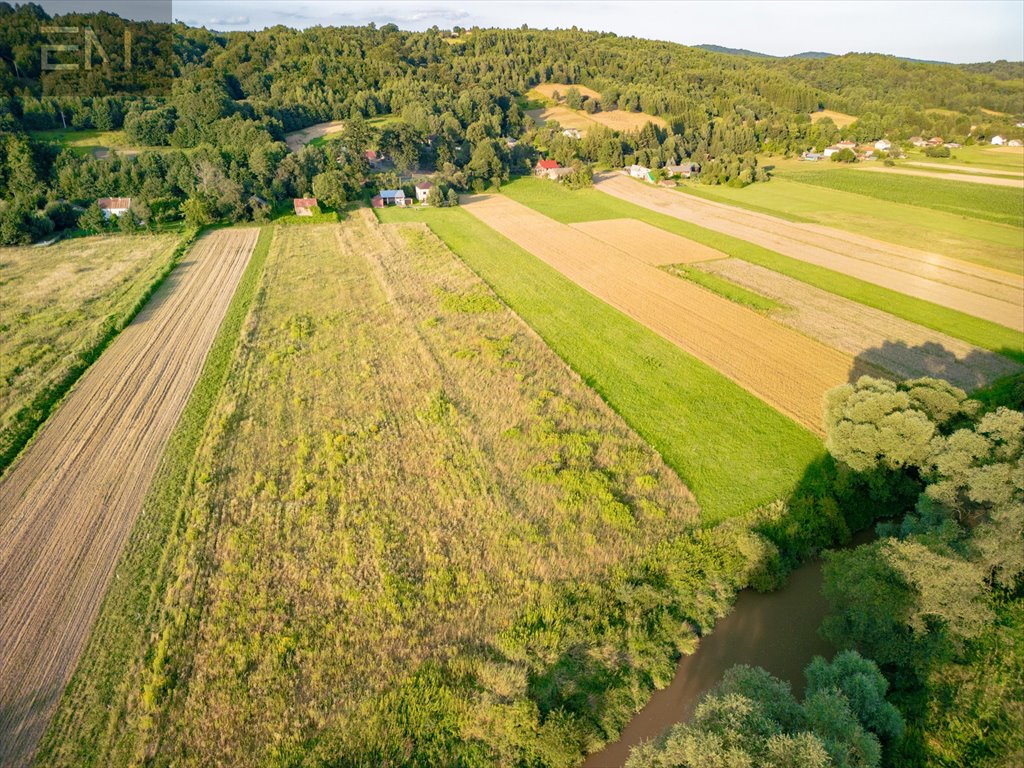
(210, 146)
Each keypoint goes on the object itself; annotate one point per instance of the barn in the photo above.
(304, 206)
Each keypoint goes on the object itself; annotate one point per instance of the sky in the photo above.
(943, 30)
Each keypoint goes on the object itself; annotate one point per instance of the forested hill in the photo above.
(451, 100)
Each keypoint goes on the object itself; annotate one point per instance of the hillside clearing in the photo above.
(400, 471)
(72, 498)
(839, 118)
(785, 369)
(987, 294)
(616, 119)
(296, 140)
(547, 90)
(59, 304)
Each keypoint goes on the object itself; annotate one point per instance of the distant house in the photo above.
(557, 174)
(682, 169)
(375, 159)
(829, 151)
(572, 133)
(1014, 143)
(1020, 125)
(997, 141)
(304, 205)
(883, 145)
(917, 141)
(422, 190)
(936, 141)
(846, 145)
(389, 197)
(639, 171)
(544, 166)
(811, 157)
(952, 145)
(114, 206)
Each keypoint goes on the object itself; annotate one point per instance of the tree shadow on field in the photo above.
(899, 360)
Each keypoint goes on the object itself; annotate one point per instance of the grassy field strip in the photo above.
(729, 289)
(897, 224)
(787, 370)
(824, 251)
(398, 468)
(904, 349)
(730, 448)
(69, 503)
(964, 178)
(89, 714)
(590, 205)
(987, 203)
(962, 168)
(979, 156)
(59, 307)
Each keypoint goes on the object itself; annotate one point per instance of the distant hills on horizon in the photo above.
(803, 55)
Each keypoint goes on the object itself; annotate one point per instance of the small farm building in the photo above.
(917, 141)
(883, 145)
(997, 141)
(422, 190)
(682, 169)
(811, 157)
(847, 144)
(304, 205)
(639, 171)
(936, 141)
(388, 197)
(114, 206)
(1014, 143)
(829, 151)
(543, 166)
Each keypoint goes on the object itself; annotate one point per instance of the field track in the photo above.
(786, 369)
(69, 503)
(983, 292)
(969, 178)
(965, 168)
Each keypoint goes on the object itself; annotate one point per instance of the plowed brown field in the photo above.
(976, 290)
(69, 503)
(648, 243)
(905, 349)
(786, 369)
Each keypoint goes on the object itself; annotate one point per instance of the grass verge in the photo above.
(731, 449)
(89, 707)
(725, 288)
(570, 207)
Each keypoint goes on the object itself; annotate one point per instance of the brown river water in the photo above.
(777, 631)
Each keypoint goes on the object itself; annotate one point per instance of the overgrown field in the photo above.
(911, 225)
(58, 306)
(572, 207)
(1004, 205)
(414, 536)
(730, 448)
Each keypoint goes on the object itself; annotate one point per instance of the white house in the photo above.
(829, 151)
(639, 171)
(997, 141)
(114, 206)
(572, 133)
(883, 145)
(422, 190)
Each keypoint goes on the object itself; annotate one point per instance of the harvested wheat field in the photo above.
(68, 504)
(970, 178)
(616, 119)
(976, 290)
(786, 369)
(904, 349)
(57, 305)
(648, 243)
(839, 118)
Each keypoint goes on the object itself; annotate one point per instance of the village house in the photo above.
(829, 151)
(304, 205)
(557, 174)
(846, 145)
(883, 145)
(389, 197)
(543, 166)
(422, 190)
(683, 169)
(917, 141)
(997, 141)
(572, 133)
(936, 141)
(811, 157)
(114, 206)
(640, 172)
(375, 159)
(1014, 143)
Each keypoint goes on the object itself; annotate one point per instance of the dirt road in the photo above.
(980, 291)
(68, 504)
(786, 369)
(970, 178)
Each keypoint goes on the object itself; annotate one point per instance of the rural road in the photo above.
(69, 503)
(966, 177)
(979, 291)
